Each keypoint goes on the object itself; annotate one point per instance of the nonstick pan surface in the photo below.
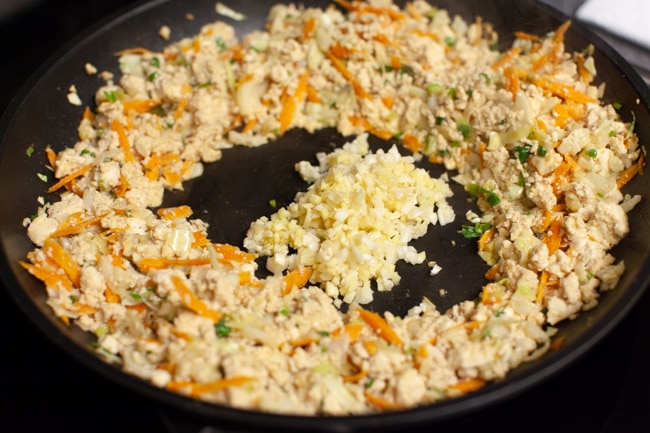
(41, 116)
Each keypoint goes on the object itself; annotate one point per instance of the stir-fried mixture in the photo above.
(523, 131)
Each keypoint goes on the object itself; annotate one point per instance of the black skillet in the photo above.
(237, 190)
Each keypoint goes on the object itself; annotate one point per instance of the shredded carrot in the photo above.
(467, 385)
(563, 91)
(506, 58)
(308, 29)
(491, 274)
(541, 287)
(423, 33)
(229, 253)
(584, 74)
(173, 213)
(553, 238)
(52, 279)
(249, 126)
(140, 307)
(146, 265)
(70, 177)
(383, 39)
(628, 174)
(558, 342)
(354, 378)
(61, 257)
(74, 224)
(88, 114)
(371, 346)
(367, 126)
(388, 101)
(358, 90)
(422, 352)
(111, 296)
(152, 167)
(412, 143)
(290, 103)
(123, 140)
(247, 279)
(511, 83)
(380, 326)
(192, 302)
(198, 389)
(122, 187)
(51, 156)
(558, 35)
(182, 335)
(139, 105)
(527, 36)
(312, 95)
(381, 403)
(84, 308)
(353, 330)
(296, 279)
(180, 108)
(485, 239)
(304, 341)
(341, 52)
(200, 239)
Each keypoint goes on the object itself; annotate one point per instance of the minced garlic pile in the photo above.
(523, 131)
(355, 222)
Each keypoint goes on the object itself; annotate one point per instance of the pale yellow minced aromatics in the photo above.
(355, 222)
(523, 130)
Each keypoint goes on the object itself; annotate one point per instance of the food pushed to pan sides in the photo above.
(523, 130)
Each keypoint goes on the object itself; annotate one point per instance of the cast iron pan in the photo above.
(236, 190)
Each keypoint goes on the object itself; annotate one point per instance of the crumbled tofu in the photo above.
(165, 32)
(541, 159)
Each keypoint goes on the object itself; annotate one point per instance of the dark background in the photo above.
(42, 389)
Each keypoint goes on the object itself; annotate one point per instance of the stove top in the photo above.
(45, 390)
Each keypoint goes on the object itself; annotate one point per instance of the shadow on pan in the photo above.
(237, 189)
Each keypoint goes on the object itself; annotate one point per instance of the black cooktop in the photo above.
(42, 389)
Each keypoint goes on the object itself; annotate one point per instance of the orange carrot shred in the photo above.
(146, 265)
(88, 114)
(229, 253)
(111, 296)
(70, 177)
(558, 342)
(380, 326)
(290, 103)
(52, 279)
(140, 307)
(308, 28)
(541, 287)
(173, 213)
(354, 378)
(123, 140)
(353, 330)
(627, 175)
(61, 257)
(192, 302)
(553, 238)
(51, 156)
(139, 105)
(380, 402)
(412, 143)
(358, 90)
(218, 385)
(74, 224)
(296, 279)
(467, 385)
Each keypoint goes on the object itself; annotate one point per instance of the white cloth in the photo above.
(629, 19)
